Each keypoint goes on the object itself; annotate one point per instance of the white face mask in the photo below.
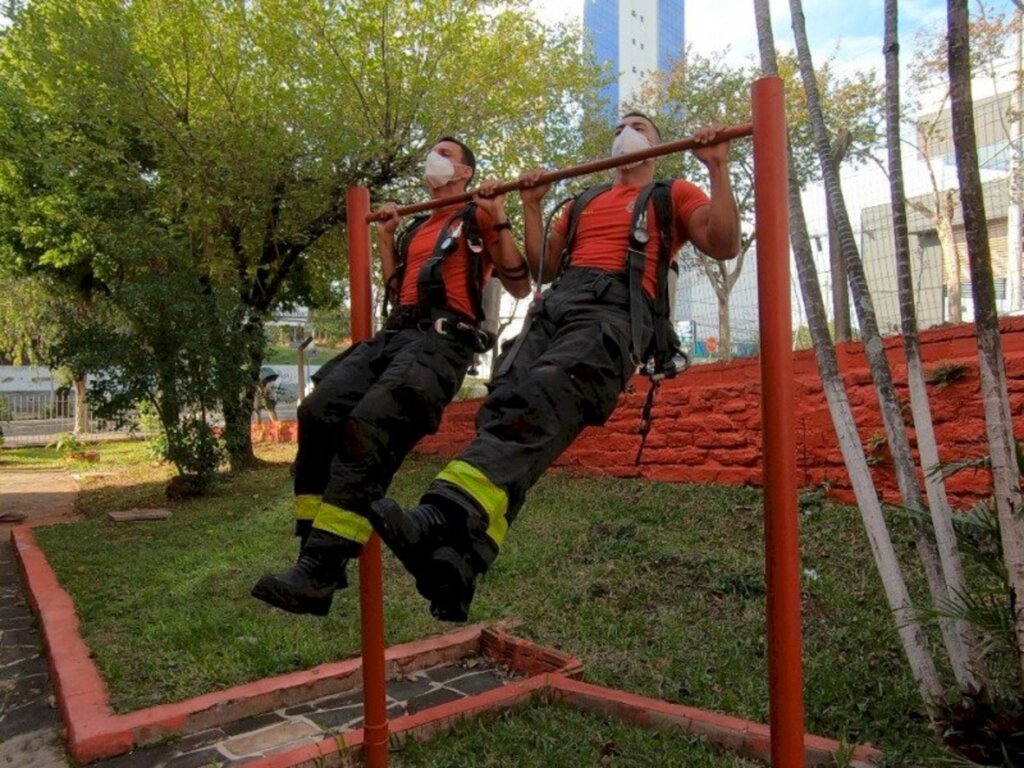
(629, 140)
(438, 170)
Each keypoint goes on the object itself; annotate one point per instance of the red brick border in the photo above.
(94, 731)
(742, 736)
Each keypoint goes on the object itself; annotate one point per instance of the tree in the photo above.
(240, 125)
(700, 90)
(889, 403)
(998, 420)
(969, 671)
(908, 626)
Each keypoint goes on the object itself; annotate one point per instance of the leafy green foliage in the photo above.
(226, 134)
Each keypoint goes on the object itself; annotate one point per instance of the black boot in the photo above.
(308, 586)
(432, 541)
(302, 529)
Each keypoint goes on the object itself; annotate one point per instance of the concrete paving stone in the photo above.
(433, 699)
(332, 718)
(395, 710)
(14, 611)
(338, 700)
(477, 682)
(12, 653)
(33, 716)
(19, 637)
(24, 621)
(301, 709)
(201, 759)
(34, 665)
(199, 740)
(16, 693)
(251, 724)
(151, 757)
(36, 749)
(404, 690)
(445, 673)
(269, 738)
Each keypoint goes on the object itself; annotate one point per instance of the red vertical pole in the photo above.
(371, 597)
(782, 553)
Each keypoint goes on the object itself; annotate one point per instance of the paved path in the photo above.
(30, 728)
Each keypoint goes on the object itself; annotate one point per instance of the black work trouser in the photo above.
(567, 374)
(372, 405)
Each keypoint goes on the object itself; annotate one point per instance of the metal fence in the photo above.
(40, 418)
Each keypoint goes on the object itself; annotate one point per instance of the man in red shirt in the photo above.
(374, 402)
(582, 343)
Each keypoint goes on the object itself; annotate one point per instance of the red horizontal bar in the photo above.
(726, 134)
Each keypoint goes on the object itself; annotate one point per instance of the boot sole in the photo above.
(272, 592)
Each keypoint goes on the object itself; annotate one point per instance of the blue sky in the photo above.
(850, 29)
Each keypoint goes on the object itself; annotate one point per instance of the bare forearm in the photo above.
(386, 248)
(723, 226)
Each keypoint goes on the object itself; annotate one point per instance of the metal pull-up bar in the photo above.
(782, 564)
(726, 134)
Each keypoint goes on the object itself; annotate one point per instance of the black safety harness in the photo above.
(431, 309)
(662, 358)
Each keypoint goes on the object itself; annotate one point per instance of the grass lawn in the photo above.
(657, 587)
(558, 737)
(285, 355)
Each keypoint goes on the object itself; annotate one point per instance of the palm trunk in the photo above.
(998, 421)
(968, 667)
(911, 635)
(889, 404)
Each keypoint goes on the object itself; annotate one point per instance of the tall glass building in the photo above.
(635, 37)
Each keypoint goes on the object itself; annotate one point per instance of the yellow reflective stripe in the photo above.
(343, 523)
(306, 506)
(489, 496)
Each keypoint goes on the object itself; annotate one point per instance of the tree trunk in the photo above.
(889, 403)
(998, 421)
(842, 330)
(911, 635)
(967, 664)
(724, 330)
(239, 393)
(952, 261)
(81, 407)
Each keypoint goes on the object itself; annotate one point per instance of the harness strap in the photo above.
(431, 293)
(392, 291)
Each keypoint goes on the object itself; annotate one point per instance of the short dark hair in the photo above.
(657, 130)
(468, 158)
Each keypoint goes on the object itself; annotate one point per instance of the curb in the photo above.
(94, 731)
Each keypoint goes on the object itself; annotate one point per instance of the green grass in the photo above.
(558, 737)
(657, 587)
(285, 355)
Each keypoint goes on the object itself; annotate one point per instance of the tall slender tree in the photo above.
(908, 626)
(998, 417)
(969, 671)
(885, 389)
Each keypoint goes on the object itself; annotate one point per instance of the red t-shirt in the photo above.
(455, 265)
(602, 234)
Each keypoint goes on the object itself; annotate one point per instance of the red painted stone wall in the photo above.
(707, 423)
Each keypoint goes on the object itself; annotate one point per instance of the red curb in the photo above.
(421, 726)
(742, 736)
(95, 732)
